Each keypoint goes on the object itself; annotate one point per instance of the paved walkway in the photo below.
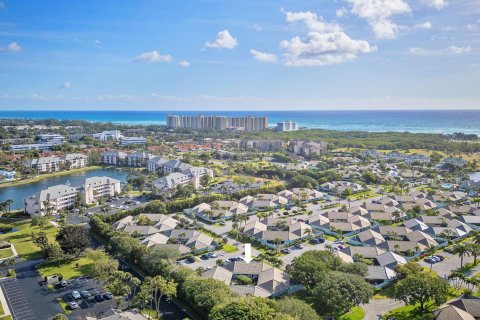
(376, 308)
(3, 301)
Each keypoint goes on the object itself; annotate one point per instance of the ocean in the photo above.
(427, 121)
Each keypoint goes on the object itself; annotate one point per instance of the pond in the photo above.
(19, 192)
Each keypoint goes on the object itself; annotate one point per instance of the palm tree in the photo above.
(474, 249)
(8, 203)
(431, 251)
(461, 250)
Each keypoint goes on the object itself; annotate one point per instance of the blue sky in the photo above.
(239, 54)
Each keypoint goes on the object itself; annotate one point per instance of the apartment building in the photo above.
(51, 200)
(307, 148)
(138, 159)
(98, 187)
(248, 123)
(287, 126)
(128, 141)
(264, 144)
(113, 158)
(108, 135)
(190, 176)
(33, 146)
(52, 138)
(54, 164)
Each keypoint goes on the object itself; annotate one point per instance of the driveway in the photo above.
(376, 308)
(447, 266)
(287, 259)
(210, 263)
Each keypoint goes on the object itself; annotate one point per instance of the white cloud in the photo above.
(418, 51)
(423, 26)
(312, 21)
(184, 64)
(342, 12)
(451, 50)
(378, 14)
(224, 41)
(459, 50)
(437, 4)
(263, 57)
(14, 47)
(324, 44)
(66, 85)
(152, 57)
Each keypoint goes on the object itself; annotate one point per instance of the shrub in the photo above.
(241, 279)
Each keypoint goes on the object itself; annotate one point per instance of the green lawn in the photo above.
(409, 313)
(72, 269)
(6, 317)
(21, 239)
(357, 313)
(5, 253)
(64, 306)
(229, 248)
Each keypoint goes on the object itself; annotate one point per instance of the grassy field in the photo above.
(5, 253)
(229, 248)
(363, 195)
(357, 313)
(21, 239)
(72, 269)
(47, 175)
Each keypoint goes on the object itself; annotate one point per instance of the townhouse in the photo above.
(267, 281)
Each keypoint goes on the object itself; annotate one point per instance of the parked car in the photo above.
(76, 295)
(299, 246)
(191, 259)
(212, 255)
(72, 305)
(205, 257)
(107, 295)
(285, 251)
(63, 284)
(99, 298)
(316, 241)
(85, 294)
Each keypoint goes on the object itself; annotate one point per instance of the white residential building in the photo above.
(156, 164)
(52, 138)
(138, 159)
(307, 148)
(287, 126)
(98, 187)
(34, 146)
(56, 198)
(108, 135)
(190, 176)
(113, 158)
(126, 141)
(53, 164)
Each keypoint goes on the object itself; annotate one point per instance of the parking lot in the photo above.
(86, 305)
(29, 298)
(16, 299)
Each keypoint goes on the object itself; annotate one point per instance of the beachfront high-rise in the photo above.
(248, 123)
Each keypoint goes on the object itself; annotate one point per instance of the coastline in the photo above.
(413, 121)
